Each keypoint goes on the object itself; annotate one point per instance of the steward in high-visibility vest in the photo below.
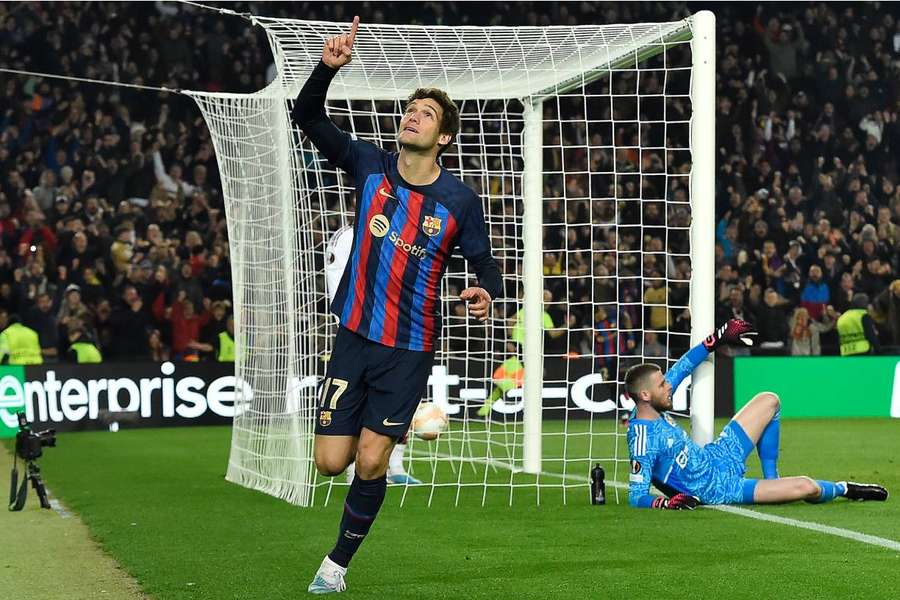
(19, 345)
(226, 348)
(853, 336)
(82, 349)
(852, 326)
(225, 342)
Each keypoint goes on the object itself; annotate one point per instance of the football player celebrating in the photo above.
(411, 214)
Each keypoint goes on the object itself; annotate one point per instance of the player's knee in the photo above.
(370, 464)
(807, 487)
(329, 466)
(771, 399)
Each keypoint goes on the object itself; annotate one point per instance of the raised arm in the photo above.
(733, 331)
(689, 361)
(309, 109)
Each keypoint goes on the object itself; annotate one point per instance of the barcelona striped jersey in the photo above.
(403, 239)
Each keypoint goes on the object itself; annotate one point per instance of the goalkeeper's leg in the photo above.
(789, 489)
(760, 420)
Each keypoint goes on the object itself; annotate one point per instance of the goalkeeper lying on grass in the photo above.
(662, 453)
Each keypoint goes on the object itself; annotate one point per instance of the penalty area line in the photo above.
(849, 534)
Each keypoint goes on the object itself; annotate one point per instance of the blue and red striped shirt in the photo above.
(403, 239)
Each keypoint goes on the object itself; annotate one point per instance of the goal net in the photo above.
(592, 150)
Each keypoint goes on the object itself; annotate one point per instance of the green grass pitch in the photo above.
(157, 501)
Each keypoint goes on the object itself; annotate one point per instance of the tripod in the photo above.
(32, 474)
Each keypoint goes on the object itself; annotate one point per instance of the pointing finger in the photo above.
(353, 29)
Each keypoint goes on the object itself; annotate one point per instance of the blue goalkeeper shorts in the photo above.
(729, 457)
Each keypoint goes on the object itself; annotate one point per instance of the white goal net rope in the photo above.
(613, 133)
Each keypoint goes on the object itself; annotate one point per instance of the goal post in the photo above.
(580, 130)
(533, 282)
(703, 225)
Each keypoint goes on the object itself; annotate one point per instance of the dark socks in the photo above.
(360, 509)
(767, 447)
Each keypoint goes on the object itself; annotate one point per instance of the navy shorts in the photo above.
(371, 385)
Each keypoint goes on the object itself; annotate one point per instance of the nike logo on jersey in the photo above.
(385, 193)
(387, 423)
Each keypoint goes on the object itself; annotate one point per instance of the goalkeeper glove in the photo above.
(676, 502)
(732, 332)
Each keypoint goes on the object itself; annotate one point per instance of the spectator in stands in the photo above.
(807, 142)
(816, 295)
(846, 290)
(42, 319)
(72, 309)
(735, 307)
(122, 249)
(186, 325)
(159, 351)
(189, 285)
(209, 333)
(805, 333)
(655, 297)
(887, 314)
(651, 346)
(771, 322)
(131, 323)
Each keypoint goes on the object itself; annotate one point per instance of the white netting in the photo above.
(616, 161)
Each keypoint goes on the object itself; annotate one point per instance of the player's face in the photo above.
(420, 127)
(660, 393)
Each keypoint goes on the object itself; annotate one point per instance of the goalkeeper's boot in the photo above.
(865, 491)
(329, 578)
(485, 410)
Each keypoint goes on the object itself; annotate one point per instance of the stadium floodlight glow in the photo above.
(577, 130)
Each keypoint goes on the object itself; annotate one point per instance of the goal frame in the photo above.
(531, 88)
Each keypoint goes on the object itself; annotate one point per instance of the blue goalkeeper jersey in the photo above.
(663, 452)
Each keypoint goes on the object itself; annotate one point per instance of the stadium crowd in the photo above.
(112, 219)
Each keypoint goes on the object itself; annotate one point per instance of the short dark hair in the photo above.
(450, 117)
(636, 376)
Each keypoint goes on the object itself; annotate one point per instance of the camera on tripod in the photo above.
(29, 447)
(29, 443)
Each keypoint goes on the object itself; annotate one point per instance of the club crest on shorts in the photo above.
(635, 467)
(431, 225)
(324, 418)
